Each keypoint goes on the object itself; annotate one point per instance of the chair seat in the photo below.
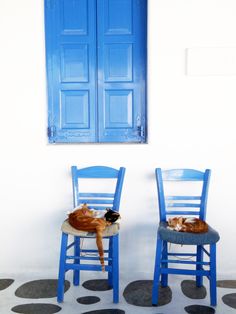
(108, 232)
(187, 238)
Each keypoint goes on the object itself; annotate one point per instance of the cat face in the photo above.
(175, 223)
(172, 222)
(111, 215)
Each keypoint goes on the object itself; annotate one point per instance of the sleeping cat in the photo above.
(111, 215)
(85, 219)
(181, 224)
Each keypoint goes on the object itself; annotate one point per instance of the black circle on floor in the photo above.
(191, 291)
(139, 293)
(43, 288)
(197, 309)
(36, 308)
(88, 300)
(5, 283)
(106, 311)
(97, 285)
(230, 300)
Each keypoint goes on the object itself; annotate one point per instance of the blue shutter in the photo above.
(96, 70)
(122, 30)
(71, 69)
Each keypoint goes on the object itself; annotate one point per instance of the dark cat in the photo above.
(111, 215)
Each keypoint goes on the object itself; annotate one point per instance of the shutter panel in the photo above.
(122, 70)
(71, 69)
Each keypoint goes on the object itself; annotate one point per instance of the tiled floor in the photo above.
(137, 291)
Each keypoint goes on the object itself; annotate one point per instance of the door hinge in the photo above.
(140, 127)
(140, 130)
(51, 131)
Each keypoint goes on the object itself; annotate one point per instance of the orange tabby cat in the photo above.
(181, 224)
(82, 219)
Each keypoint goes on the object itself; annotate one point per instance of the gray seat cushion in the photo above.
(187, 238)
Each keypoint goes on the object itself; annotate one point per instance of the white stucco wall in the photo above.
(191, 124)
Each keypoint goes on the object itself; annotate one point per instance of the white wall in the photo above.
(191, 124)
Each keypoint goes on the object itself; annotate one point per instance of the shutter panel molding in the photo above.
(96, 70)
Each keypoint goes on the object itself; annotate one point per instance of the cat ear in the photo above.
(181, 220)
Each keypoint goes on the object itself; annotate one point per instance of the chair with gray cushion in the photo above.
(184, 204)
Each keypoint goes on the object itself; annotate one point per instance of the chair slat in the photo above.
(95, 201)
(182, 175)
(97, 172)
(184, 262)
(86, 267)
(91, 251)
(93, 258)
(182, 205)
(101, 207)
(178, 271)
(105, 195)
(89, 258)
(182, 212)
(182, 254)
(182, 197)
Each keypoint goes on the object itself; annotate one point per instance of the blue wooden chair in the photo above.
(97, 200)
(184, 205)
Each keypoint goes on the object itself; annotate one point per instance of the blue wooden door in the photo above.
(96, 70)
(71, 67)
(122, 70)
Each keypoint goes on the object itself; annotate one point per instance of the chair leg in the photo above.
(213, 292)
(76, 275)
(110, 263)
(199, 279)
(157, 271)
(115, 268)
(164, 277)
(61, 275)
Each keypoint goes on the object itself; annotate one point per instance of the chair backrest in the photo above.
(178, 204)
(97, 199)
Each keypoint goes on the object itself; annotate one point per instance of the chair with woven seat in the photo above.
(187, 204)
(94, 178)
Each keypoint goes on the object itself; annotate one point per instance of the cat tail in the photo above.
(100, 247)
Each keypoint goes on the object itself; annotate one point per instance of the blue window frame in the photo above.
(96, 53)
